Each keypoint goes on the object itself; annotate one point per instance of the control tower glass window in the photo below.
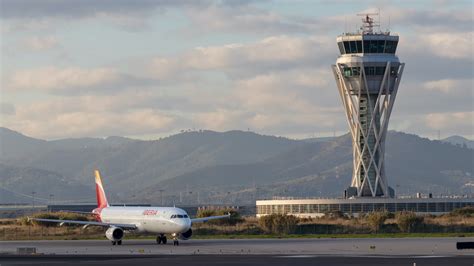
(347, 48)
(341, 47)
(391, 47)
(380, 46)
(352, 45)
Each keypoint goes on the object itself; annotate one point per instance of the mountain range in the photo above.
(207, 167)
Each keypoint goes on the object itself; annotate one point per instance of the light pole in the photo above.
(50, 201)
(33, 197)
(161, 196)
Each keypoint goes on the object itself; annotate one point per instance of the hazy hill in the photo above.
(18, 183)
(413, 164)
(132, 165)
(14, 144)
(459, 141)
(231, 167)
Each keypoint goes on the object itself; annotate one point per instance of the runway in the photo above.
(347, 247)
(261, 260)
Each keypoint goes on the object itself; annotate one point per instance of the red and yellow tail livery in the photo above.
(99, 189)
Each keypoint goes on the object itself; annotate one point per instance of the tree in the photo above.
(408, 221)
(279, 223)
(376, 220)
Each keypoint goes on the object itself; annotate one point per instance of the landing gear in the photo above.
(117, 243)
(161, 239)
(175, 239)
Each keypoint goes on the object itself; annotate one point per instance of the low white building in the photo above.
(356, 206)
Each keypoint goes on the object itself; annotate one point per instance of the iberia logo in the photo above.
(150, 212)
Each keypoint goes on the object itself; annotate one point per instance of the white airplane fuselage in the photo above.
(156, 220)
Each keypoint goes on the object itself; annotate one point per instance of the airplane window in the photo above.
(185, 216)
(173, 216)
(179, 216)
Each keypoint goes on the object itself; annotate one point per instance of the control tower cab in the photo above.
(367, 74)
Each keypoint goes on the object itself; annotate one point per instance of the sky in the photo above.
(148, 69)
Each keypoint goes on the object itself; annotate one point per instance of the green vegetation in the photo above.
(462, 212)
(376, 220)
(279, 224)
(408, 221)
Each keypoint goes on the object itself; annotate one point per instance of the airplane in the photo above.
(145, 220)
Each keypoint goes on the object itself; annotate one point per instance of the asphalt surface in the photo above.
(383, 251)
(232, 260)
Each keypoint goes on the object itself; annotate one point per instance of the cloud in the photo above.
(85, 8)
(55, 122)
(40, 43)
(69, 80)
(7, 108)
(450, 86)
(451, 45)
(272, 53)
(243, 18)
(463, 122)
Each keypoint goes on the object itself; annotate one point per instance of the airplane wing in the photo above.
(205, 219)
(78, 212)
(86, 223)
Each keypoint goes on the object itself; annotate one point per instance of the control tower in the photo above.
(367, 74)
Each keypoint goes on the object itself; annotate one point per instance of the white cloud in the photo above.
(451, 45)
(53, 79)
(56, 122)
(40, 43)
(462, 122)
(277, 52)
(450, 86)
(7, 108)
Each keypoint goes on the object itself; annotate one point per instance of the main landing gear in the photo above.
(117, 243)
(161, 239)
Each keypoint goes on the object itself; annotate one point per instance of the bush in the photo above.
(408, 221)
(376, 220)
(279, 223)
(463, 212)
(44, 216)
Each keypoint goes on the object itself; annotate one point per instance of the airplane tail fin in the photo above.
(99, 189)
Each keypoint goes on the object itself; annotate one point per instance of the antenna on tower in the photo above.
(368, 23)
(388, 30)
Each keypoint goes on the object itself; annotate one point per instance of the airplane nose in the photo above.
(183, 225)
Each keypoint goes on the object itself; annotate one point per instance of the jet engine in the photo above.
(186, 235)
(114, 233)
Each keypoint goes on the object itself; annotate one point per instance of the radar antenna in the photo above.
(368, 23)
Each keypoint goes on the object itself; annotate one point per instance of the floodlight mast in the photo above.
(368, 74)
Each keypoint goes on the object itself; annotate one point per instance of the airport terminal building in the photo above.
(310, 208)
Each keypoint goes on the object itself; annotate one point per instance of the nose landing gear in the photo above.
(175, 239)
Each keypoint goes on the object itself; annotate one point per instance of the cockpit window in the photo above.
(179, 216)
